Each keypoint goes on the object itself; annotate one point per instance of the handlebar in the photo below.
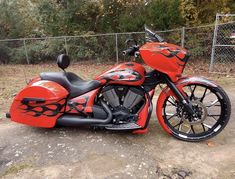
(131, 51)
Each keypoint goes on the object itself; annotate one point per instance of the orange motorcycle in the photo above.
(189, 108)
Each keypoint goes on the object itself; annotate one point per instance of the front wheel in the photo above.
(211, 105)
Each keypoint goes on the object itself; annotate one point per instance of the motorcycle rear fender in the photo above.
(39, 104)
(179, 84)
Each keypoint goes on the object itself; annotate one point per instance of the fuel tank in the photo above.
(165, 57)
(129, 73)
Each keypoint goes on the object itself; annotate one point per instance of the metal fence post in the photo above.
(214, 43)
(116, 39)
(182, 37)
(26, 52)
(66, 46)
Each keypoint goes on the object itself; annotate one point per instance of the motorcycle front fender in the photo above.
(195, 80)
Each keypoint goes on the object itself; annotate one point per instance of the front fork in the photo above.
(186, 103)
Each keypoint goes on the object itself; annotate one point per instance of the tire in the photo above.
(213, 114)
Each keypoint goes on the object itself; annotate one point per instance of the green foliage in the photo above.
(43, 18)
(9, 20)
(132, 18)
(68, 17)
(164, 14)
(4, 53)
(92, 48)
(207, 11)
(44, 50)
(199, 42)
(17, 19)
(189, 12)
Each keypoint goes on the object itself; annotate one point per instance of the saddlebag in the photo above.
(39, 104)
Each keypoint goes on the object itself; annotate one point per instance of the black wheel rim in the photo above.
(208, 98)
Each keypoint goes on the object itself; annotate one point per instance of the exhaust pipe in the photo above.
(74, 120)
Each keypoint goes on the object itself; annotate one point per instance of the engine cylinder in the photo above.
(111, 96)
(132, 98)
(127, 97)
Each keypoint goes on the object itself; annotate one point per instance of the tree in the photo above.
(207, 9)
(197, 12)
(163, 14)
(69, 17)
(189, 12)
(17, 18)
(133, 17)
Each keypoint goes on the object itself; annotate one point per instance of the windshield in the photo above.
(151, 36)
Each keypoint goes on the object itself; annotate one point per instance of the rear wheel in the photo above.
(212, 107)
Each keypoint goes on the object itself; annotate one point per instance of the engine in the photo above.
(124, 102)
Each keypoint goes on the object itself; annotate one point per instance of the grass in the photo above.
(14, 169)
(12, 77)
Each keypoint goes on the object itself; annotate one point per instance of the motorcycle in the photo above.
(188, 108)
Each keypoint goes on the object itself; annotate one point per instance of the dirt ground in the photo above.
(27, 152)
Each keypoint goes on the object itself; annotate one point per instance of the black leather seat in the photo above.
(70, 81)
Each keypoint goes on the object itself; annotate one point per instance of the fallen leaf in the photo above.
(210, 144)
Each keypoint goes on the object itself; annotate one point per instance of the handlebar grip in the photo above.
(130, 51)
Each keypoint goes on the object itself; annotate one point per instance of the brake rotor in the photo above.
(201, 113)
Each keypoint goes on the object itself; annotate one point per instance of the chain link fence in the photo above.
(223, 48)
(108, 47)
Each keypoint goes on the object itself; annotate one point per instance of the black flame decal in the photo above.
(173, 53)
(121, 76)
(49, 110)
(78, 106)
